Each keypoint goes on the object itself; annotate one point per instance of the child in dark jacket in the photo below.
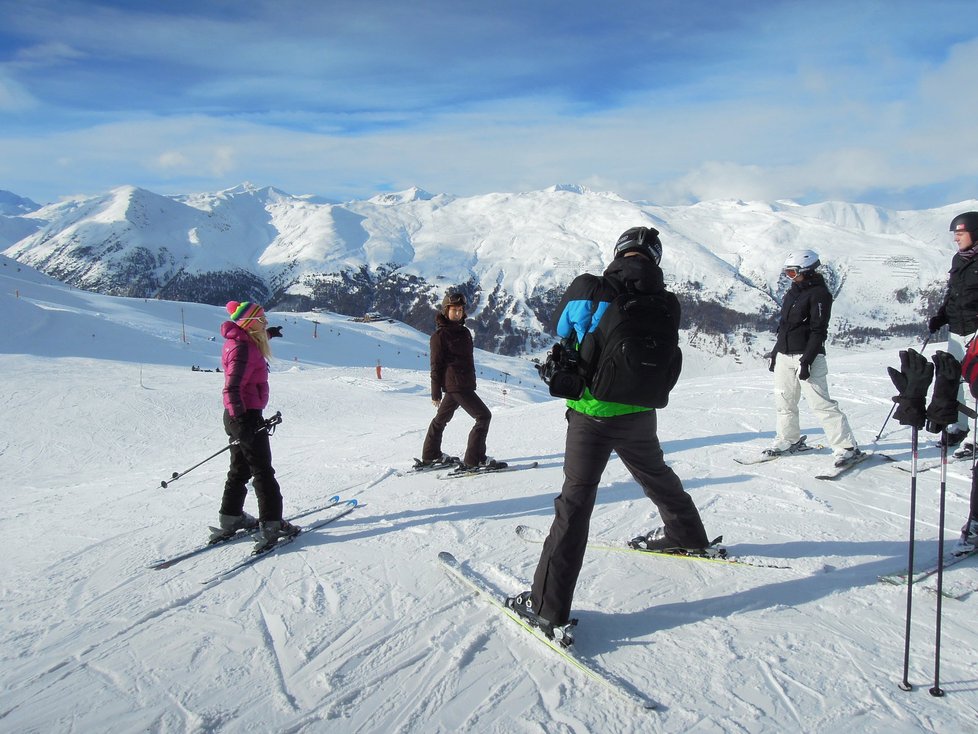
(453, 386)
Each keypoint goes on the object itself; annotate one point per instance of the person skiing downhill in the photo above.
(595, 428)
(798, 362)
(245, 395)
(959, 312)
(453, 385)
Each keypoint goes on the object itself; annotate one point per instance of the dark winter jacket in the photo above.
(960, 307)
(452, 364)
(586, 300)
(804, 324)
(245, 372)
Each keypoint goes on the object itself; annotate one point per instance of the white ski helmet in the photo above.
(802, 260)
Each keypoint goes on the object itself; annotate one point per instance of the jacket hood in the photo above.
(442, 321)
(230, 330)
(644, 274)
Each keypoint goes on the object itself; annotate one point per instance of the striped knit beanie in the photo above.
(245, 312)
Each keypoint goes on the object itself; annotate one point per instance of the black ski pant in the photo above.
(250, 459)
(590, 442)
(475, 450)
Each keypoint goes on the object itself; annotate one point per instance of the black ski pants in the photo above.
(250, 459)
(475, 450)
(590, 442)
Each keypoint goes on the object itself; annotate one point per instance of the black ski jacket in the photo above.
(804, 324)
(960, 307)
(452, 361)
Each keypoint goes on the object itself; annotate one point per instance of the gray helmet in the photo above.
(644, 240)
(453, 298)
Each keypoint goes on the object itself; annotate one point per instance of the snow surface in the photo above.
(355, 627)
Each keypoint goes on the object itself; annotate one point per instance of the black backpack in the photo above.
(633, 356)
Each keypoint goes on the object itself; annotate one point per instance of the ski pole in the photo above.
(937, 691)
(905, 683)
(893, 407)
(177, 475)
(268, 426)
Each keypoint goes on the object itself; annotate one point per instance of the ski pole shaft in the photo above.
(893, 407)
(905, 683)
(936, 690)
(177, 475)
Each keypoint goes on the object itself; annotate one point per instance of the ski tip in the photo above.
(535, 464)
(352, 503)
(334, 498)
(446, 557)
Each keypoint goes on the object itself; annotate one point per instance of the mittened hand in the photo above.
(911, 382)
(914, 376)
(934, 324)
(273, 331)
(803, 372)
(943, 409)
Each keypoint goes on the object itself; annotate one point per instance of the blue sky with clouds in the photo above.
(667, 101)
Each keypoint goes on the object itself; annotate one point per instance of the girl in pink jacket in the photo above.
(245, 397)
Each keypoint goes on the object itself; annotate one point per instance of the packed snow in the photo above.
(357, 628)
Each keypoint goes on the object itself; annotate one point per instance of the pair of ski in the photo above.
(800, 447)
(900, 578)
(334, 502)
(713, 553)
(457, 473)
(471, 579)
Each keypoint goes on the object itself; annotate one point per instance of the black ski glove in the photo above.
(943, 409)
(773, 357)
(935, 323)
(273, 331)
(803, 372)
(911, 382)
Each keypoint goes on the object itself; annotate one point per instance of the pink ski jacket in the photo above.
(245, 372)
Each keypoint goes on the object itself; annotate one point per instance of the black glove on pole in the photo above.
(911, 382)
(943, 409)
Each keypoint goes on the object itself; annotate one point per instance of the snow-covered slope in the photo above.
(355, 628)
(513, 253)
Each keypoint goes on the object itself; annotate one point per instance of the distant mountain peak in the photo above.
(12, 205)
(402, 197)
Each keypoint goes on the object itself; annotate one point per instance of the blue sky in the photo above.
(670, 102)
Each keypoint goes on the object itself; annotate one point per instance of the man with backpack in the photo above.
(642, 352)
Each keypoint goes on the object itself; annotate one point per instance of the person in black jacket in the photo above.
(798, 362)
(595, 429)
(453, 386)
(959, 312)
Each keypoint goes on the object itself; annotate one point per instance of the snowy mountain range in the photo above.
(512, 253)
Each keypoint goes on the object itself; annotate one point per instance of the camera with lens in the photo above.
(563, 372)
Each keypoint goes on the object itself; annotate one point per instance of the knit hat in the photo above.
(245, 312)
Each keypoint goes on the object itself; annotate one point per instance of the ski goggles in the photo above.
(791, 272)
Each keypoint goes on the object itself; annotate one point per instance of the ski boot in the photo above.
(442, 462)
(230, 525)
(272, 531)
(844, 457)
(562, 634)
(656, 541)
(964, 451)
(793, 448)
(968, 543)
